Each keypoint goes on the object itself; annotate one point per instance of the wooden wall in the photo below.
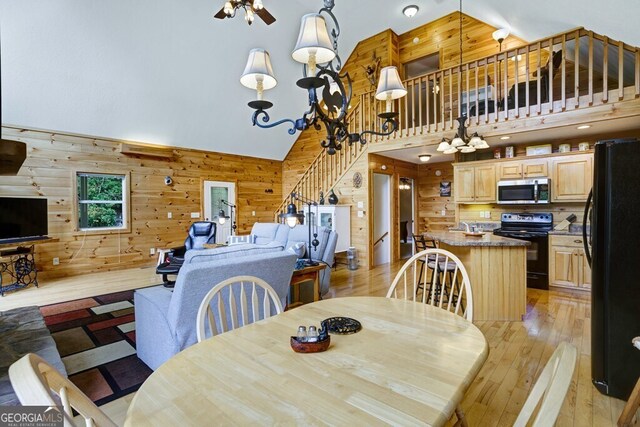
(430, 203)
(53, 158)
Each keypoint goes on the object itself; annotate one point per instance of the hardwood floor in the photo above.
(518, 350)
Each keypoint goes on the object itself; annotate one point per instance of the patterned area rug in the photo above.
(96, 339)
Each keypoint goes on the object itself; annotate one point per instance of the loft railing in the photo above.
(325, 170)
(571, 70)
(568, 71)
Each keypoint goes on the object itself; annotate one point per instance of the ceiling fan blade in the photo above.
(221, 14)
(265, 16)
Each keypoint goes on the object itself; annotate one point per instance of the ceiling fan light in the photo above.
(390, 86)
(228, 8)
(258, 67)
(257, 4)
(424, 157)
(313, 41)
(457, 142)
(249, 16)
(443, 146)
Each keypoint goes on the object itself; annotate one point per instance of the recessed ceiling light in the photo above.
(410, 11)
(504, 138)
(424, 157)
(581, 127)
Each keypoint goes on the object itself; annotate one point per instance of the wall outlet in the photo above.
(169, 215)
(487, 214)
(195, 214)
(481, 214)
(443, 212)
(56, 261)
(360, 205)
(152, 251)
(360, 214)
(253, 213)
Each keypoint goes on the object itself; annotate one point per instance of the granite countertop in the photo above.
(460, 239)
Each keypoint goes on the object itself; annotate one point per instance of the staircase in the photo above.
(568, 72)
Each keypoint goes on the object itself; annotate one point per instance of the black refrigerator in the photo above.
(615, 266)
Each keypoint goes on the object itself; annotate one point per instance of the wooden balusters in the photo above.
(590, 67)
(605, 70)
(516, 72)
(527, 89)
(550, 84)
(620, 71)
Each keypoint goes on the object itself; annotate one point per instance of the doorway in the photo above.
(215, 192)
(406, 204)
(381, 219)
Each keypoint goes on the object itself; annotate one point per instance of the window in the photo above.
(102, 201)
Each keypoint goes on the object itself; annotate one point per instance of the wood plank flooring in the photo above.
(518, 350)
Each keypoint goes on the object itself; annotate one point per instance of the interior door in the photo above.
(381, 219)
(214, 193)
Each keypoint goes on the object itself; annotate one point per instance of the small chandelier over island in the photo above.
(318, 52)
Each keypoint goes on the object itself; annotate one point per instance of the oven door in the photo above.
(537, 258)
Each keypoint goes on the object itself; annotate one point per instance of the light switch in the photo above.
(169, 215)
(360, 205)
(360, 214)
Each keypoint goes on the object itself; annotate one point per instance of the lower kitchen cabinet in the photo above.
(568, 266)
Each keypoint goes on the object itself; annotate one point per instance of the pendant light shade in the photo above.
(467, 149)
(258, 69)
(500, 34)
(482, 145)
(443, 146)
(475, 140)
(390, 86)
(313, 41)
(457, 142)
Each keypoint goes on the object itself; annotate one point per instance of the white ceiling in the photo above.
(165, 72)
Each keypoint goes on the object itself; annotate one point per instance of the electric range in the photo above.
(534, 228)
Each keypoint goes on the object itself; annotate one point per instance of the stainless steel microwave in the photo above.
(524, 191)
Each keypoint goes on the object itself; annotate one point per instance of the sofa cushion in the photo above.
(235, 240)
(232, 251)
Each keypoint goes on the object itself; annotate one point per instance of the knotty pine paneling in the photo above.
(53, 158)
(430, 203)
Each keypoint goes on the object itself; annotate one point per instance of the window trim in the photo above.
(126, 203)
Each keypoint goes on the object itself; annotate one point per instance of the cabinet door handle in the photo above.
(577, 241)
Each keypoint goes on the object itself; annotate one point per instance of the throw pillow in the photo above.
(235, 240)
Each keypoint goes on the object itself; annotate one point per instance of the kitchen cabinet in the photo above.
(523, 169)
(475, 183)
(572, 178)
(568, 266)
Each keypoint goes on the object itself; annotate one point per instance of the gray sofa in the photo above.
(280, 235)
(166, 319)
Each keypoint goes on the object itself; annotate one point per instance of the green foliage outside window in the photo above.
(100, 201)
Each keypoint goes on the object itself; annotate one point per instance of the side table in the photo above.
(306, 274)
(20, 266)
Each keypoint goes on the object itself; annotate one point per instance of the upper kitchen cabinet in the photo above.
(523, 169)
(572, 178)
(474, 183)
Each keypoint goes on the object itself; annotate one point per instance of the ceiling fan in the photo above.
(251, 8)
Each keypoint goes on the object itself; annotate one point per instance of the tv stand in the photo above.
(19, 265)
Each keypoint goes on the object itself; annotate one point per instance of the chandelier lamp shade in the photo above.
(461, 141)
(329, 91)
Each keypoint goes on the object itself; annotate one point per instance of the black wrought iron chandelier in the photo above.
(461, 141)
(318, 52)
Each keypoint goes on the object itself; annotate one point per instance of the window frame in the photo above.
(126, 203)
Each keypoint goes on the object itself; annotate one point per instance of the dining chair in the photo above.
(228, 305)
(449, 277)
(633, 404)
(550, 389)
(36, 382)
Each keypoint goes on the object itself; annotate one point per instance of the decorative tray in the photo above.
(310, 347)
(474, 233)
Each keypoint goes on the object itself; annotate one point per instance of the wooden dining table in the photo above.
(410, 364)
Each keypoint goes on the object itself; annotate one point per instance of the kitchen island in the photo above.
(497, 268)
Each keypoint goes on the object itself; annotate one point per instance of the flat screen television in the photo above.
(22, 218)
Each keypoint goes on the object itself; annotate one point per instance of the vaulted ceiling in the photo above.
(165, 72)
